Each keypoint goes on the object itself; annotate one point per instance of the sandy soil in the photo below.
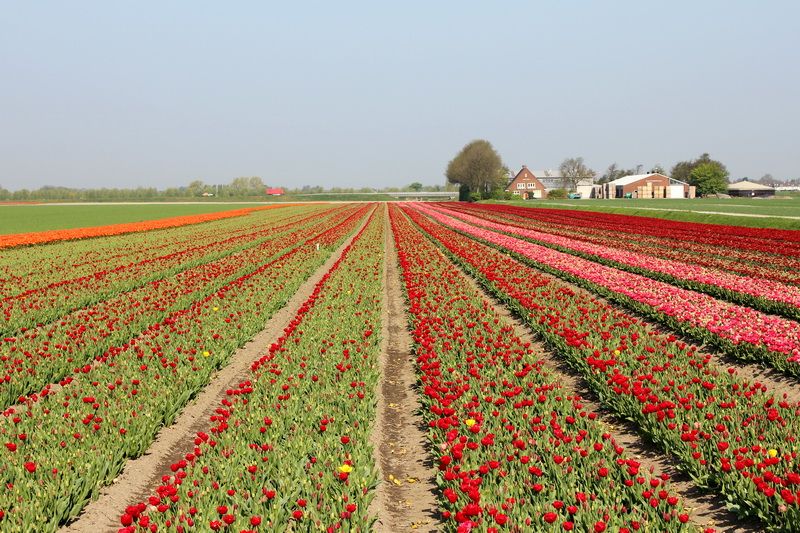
(406, 498)
(140, 476)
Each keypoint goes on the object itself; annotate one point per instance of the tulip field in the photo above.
(540, 342)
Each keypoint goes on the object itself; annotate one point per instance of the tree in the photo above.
(657, 169)
(239, 186)
(573, 170)
(767, 179)
(683, 169)
(610, 174)
(416, 186)
(709, 178)
(477, 167)
(195, 188)
(613, 172)
(256, 185)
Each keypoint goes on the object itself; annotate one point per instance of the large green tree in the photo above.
(683, 169)
(709, 178)
(477, 167)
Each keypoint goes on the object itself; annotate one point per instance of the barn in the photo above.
(750, 189)
(652, 185)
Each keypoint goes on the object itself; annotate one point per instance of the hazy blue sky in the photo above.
(382, 94)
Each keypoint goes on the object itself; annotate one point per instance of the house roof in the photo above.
(547, 173)
(749, 186)
(627, 180)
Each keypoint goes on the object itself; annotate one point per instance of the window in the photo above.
(520, 185)
(516, 192)
(531, 185)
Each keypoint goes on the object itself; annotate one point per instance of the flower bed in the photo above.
(27, 239)
(741, 331)
(764, 265)
(63, 445)
(766, 295)
(65, 294)
(728, 433)
(516, 450)
(32, 267)
(45, 354)
(268, 462)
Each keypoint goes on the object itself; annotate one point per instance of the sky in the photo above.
(382, 94)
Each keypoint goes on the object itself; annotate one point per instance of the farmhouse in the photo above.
(750, 189)
(527, 185)
(536, 183)
(274, 191)
(647, 186)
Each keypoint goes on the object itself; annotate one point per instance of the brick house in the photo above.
(526, 185)
(647, 186)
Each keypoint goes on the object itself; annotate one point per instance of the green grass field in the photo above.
(781, 213)
(30, 218)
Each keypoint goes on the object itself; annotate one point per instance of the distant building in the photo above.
(536, 183)
(750, 189)
(553, 179)
(652, 185)
(274, 191)
(526, 185)
(208, 194)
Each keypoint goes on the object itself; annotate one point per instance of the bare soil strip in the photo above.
(406, 498)
(708, 509)
(141, 476)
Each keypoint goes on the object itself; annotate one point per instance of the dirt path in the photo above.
(142, 475)
(708, 509)
(405, 500)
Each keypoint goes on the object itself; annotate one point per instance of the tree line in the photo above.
(252, 187)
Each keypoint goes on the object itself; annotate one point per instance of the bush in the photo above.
(557, 194)
(506, 195)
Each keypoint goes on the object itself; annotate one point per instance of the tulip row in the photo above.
(60, 296)
(745, 262)
(27, 239)
(740, 331)
(759, 240)
(516, 450)
(63, 445)
(29, 268)
(269, 462)
(765, 295)
(728, 433)
(42, 355)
